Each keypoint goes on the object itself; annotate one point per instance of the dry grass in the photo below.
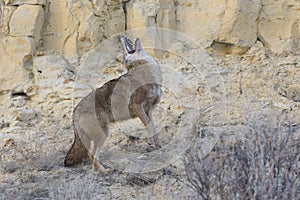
(84, 186)
(263, 165)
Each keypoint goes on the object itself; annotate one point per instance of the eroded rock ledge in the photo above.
(42, 42)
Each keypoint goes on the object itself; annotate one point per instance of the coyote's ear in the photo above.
(138, 45)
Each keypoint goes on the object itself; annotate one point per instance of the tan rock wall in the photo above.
(6, 14)
(279, 25)
(43, 42)
(15, 56)
(27, 21)
(72, 28)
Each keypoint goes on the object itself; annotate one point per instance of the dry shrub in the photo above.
(263, 165)
(86, 186)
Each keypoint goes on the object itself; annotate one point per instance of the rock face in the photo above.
(279, 25)
(233, 22)
(27, 20)
(46, 47)
(16, 55)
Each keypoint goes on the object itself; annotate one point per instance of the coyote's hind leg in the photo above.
(147, 120)
(103, 121)
(153, 129)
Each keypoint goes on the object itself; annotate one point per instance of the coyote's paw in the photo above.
(100, 168)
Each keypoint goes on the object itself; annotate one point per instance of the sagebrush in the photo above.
(263, 164)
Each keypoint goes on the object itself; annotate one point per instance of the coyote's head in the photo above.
(133, 52)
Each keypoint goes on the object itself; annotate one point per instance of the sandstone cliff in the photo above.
(43, 42)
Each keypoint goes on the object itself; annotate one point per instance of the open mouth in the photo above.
(128, 44)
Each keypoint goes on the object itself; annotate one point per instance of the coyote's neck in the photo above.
(135, 64)
(146, 72)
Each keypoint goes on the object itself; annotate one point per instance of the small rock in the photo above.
(32, 90)
(10, 142)
(293, 93)
(19, 101)
(4, 124)
(25, 115)
(282, 106)
(227, 48)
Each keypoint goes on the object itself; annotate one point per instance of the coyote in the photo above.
(132, 95)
